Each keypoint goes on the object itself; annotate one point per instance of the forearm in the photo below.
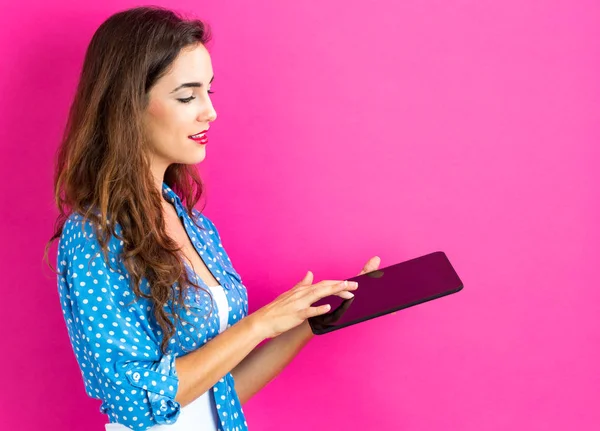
(199, 370)
(264, 363)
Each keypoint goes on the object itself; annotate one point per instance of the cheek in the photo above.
(167, 126)
(156, 114)
(168, 119)
(162, 121)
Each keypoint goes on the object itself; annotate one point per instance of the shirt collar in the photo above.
(172, 197)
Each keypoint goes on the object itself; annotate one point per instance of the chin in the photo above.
(188, 155)
(198, 157)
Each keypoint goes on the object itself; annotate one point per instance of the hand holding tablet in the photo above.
(386, 290)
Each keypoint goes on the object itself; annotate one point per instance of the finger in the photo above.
(307, 280)
(316, 311)
(345, 294)
(328, 282)
(371, 265)
(330, 289)
(322, 283)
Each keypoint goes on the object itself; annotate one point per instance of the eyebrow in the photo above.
(192, 84)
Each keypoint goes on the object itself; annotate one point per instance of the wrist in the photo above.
(305, 329)
(256, 327)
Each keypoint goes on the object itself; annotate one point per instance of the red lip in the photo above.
(203, 139)
(199, 133)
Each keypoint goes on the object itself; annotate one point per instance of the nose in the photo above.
(213, 115)
(208, 114)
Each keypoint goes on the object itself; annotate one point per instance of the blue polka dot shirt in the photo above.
(117, 341)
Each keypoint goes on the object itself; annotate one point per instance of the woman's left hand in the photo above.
(371, 265)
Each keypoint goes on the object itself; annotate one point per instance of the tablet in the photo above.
(389, 289)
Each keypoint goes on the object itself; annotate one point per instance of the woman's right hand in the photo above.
(293, 307)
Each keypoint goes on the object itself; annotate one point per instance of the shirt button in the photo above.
(136, 377)
(163, 407)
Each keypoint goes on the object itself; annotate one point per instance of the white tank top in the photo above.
(200, 414)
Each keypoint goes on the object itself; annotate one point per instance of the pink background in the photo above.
(345, 131)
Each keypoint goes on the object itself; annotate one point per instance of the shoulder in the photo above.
(80, 235)
(80, 255)
(75, 232)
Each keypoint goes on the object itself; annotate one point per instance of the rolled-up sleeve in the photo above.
(113, 339)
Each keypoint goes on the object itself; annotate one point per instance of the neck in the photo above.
(158, 170)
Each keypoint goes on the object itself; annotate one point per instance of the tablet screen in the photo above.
(389, 289)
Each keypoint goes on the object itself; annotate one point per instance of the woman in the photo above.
(156, 313)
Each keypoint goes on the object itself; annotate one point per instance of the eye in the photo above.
(187, 99)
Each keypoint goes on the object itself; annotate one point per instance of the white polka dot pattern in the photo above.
(116, 340)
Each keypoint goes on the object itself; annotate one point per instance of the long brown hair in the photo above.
(102, 170)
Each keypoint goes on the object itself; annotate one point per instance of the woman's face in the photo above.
(179, 106)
